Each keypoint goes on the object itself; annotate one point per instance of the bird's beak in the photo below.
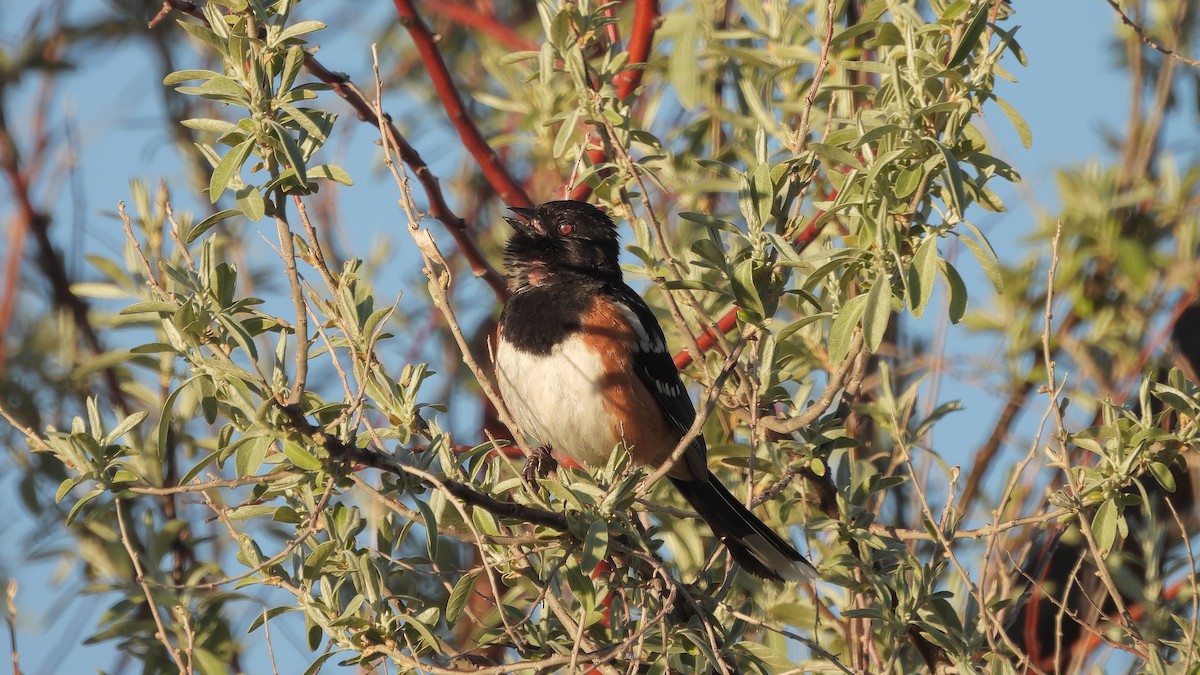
(526, 220)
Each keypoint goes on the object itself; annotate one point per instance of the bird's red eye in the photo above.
(566, 228)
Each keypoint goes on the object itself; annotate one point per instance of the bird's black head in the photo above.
(561, 238)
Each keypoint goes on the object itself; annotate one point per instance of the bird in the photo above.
(582, 365)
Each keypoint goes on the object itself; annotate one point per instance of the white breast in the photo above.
(556, 398)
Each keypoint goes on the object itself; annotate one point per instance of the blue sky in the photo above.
(1070, 92)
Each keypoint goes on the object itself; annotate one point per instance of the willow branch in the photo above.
(1171, 53)
(497, 175)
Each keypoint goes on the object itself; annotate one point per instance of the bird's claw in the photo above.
(539, 465)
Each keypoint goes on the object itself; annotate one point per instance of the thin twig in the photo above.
(287, 250)
(646, 17)
(1085, 525)
(140, 578)
(818, 407)
(1146, 38)
(437, 272)
(10, 617)
(798, 142)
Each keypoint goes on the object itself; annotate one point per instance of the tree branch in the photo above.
(494, 171)
(641, 41)
(486, 24)
(1146, 38)
(439, 209)
(347, 452)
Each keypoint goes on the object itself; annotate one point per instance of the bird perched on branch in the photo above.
(583, 366)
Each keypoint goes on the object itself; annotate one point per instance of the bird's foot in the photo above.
(539, 465)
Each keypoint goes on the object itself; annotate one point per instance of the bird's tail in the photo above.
(753, 545)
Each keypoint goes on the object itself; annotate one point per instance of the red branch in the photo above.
(645, 22)
(438, 208)
(493, 170)
(707, 339)
(12, 269)
(727, 322)
(486, 24)
(641, 40)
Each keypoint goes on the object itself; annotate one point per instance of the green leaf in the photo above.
(304, 121)
(220, 127)
(314, 562)
(424, 623)
(250, 455)
(907, 180)
(205, 35)
(565, 132)
(970, 36)
(595, 545)
(251, 203)
(124, 427)
(958, 291)
(709, 221)
(66, 486)
(459, 596)
(227, 168)
(298, 29)
(300, 456)
(91, 289)
(195, 470)
(843, 327)
(331, 172)
(835, 156)
(684, 66)
(149, 307)
(152, 348)
(295, 158)
(877, 312)
(319, 663)
(188, 75)
(268, 615)
(1104, 526)
(1162, 473)
(164, 421)
(291, 67)
(222, 89)
(982, 250)
(206, 224)
(957, 198)
(1016, 120)
(921, 275)
(81, 503)
(431, 534)
(745, 292)
(249, 554)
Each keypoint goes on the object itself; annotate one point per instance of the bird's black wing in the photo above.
(653, 363)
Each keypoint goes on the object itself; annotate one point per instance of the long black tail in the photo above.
(753, 545)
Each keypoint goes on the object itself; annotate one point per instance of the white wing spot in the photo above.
(667, 389)
(646, 342)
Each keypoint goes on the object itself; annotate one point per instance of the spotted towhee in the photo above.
(583, 365)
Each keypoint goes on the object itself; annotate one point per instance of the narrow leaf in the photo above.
(1104, 526)
(229, 165)
(958, 291)
(204, 225)
(1017, 121)
(877, 313)
(459, 596)
(843, 327)
(300, 456)
(921, 275)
